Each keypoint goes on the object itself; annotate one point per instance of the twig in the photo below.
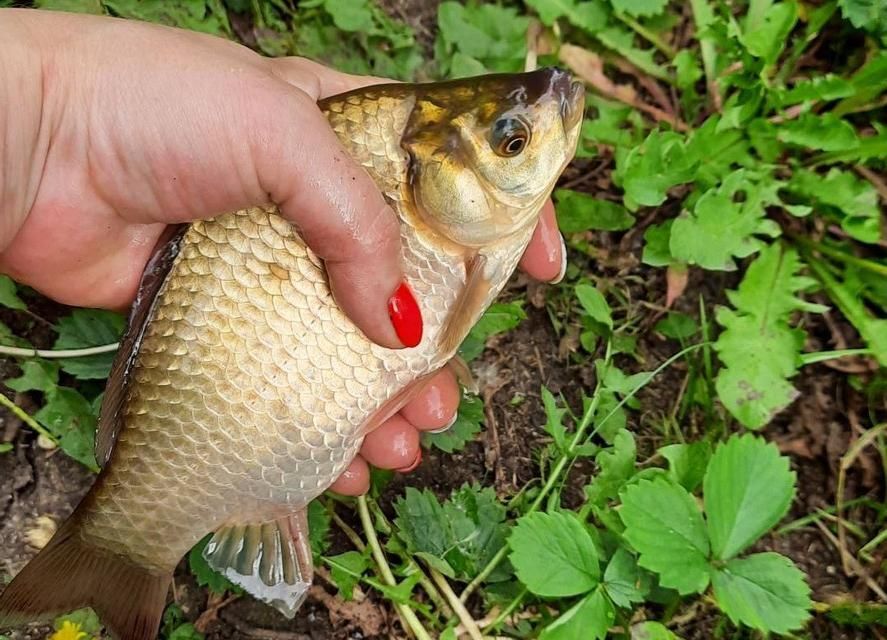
(21, 352)
(406, 612)
(854, 563)
(459, 608)
(874, 178)
(28, 420)
(647, 35)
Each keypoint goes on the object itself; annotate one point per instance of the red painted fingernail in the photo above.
(413, 465)
(405, 316)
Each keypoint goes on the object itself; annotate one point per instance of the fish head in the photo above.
(485, 152)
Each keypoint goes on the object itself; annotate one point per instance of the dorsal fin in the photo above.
(154, 276)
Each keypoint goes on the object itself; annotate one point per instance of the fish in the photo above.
(241, 390)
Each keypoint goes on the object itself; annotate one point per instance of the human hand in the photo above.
(123, 128)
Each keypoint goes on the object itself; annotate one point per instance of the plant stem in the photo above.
(20, 352)
(406, 612)
(647, 35)
(822, 356)
(507, 610)
(459, 608)
(846, 258)
(28, 420)
(702, 16)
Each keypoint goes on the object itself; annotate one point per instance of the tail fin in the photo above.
(69, 574)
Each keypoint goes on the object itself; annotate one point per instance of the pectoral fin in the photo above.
(270, 560)
(468, 306)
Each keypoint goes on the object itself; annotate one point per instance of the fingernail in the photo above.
(414, 464)
(447, 426)
(563, 271)
(405, 316)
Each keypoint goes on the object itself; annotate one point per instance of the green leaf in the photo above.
(595, 304)
(615, 467)
(5, 447)
(748, 488)
(858, 614)
(657, 238)
(768, 38)
(754, 383)
(854, 198)
(765, 591)
(687, 462)
(639, 8)
(865, 14)
(825, 133)
(318, 528)
(89, 328)
(207, 576)
(677, 326)
(663, 523)
(346, 570)
(650, 169)
(37, 375)
(74, 6)
(188, 14)
(9, 294)
(827, 87)
(578, 212)
(589, 619)
(622, 579)
(651, 631)
(469, 421)
(186, 631)
(69, 417)
(499, 318)
(554, 423)
(622, 41)
(554, 555)
(86, 619)
(586, 15)
(354, 15)
(490, 34)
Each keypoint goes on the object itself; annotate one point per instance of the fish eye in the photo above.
(509, 137)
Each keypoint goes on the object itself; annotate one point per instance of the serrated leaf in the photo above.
(657, 238)
(189, 14)
(765, 591)
(9, 294)
(469, 421)
(856, 199)
(499, 318)
(748, 488)
(754, 383)
(491, 34)
(89, 328)
(651, 631)
(589, 619)
(554, 555)
(37, 375)
(207, 576)
(663, 523)
(865, 14)
(586, 15)
(687, 462)
(346, 570)
(623, 580)
(650, 169)
(578, 212)
(594, 304)
(825, 133)
(639, 8)
(767, 39)
(318, 528)
(615, 467)
(69, 417)
(827, 87)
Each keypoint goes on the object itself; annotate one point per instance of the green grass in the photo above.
(730, 147)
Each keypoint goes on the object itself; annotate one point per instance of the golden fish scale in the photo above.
(251, 386)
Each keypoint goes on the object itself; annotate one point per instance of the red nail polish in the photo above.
(413, 465)
(405, 316)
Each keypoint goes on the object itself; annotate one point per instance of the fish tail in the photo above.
(71, 574)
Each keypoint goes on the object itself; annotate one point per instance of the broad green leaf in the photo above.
(89, 328)
(825, 133)
(765, 591)
(188, 14)
(469, 423)
(207, 576)
(422, 523)
(865, 14)
(639, 7)
(594, 304)
(856, 200)
(827, 87)
(687, 462)
(499, 318)
(589, 619)
(69, 417)
(870, 81)
(748, 488)
(186, 631)
(346, 570)
(580, 212)
(9, 294)
(623, 580)
(677, 326)
(74, 6)
(37, 375)
(615, 467)
(657, 238)
(590, 16)
(490, 34)
(554, 555)
(318, 528)
(663, 523)
(86, 619)
(767, 40)
(355, 15)
(651, 631)
(650, 169)
(754, 383)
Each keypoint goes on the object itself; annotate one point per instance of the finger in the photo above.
(317, 80)
(436, 405)
(355, 480)
(343, 218)
(394, 445)
(546, 256)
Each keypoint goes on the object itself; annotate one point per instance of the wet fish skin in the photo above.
(250, 390)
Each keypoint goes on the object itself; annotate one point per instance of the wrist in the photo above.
(24, 132)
